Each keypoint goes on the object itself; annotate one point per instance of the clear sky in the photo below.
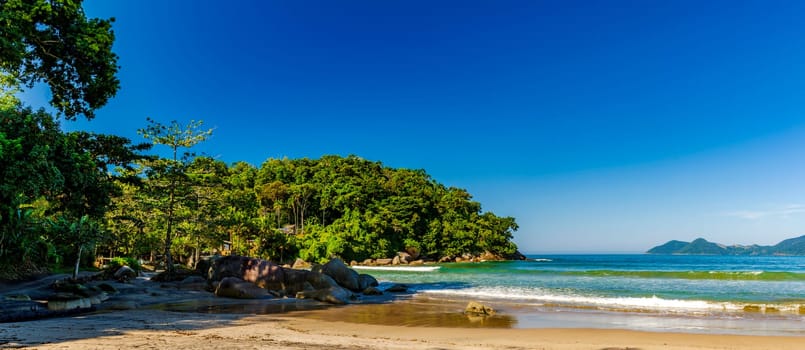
(600, 125)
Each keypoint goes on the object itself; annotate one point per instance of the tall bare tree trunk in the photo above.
(77, 262)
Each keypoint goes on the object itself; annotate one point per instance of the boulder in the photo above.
(233, 287)
(204, 265)
(367, 281)
(413, 252)
(445, 259)
(372, 291)
(516, 256)
(489, 256)
(69, 287)
(295, 280)
(405, 258)
(62, 301)
(417, 262)
(321, 281)
(301, 264)
(477, 309)
(397, 288)
(395, 260)
(333, 295)
(368, 262)
(341, 273)
(383, 261)
(125, 273)
(353, 263)
(192, 283)
(262, 273)
(98, 298)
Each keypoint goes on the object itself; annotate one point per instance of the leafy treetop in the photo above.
(52, 41)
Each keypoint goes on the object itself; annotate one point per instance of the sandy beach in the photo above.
(153, 329)
(162, 316)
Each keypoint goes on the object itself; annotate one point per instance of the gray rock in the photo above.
(232, 287)
(397, 288)
(383, 261)
(332, 295)
(321, 281)
(68, 301)
(367, 281)
(372, 291)
(125, 273)
(341, 273)
(262, 273)
(295, 280)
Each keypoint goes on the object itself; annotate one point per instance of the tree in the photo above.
(273, 195)
(78, 235)
(301, 195)
(65, 171)
(175, 136)
(52, 41)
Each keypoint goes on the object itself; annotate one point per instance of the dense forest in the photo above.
(333, 206)
(67, 197)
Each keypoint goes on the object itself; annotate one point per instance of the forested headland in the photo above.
(69, 197)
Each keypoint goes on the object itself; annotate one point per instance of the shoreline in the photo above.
(163, 317)
(154, 329)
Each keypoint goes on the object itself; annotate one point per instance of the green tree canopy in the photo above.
(52, 41)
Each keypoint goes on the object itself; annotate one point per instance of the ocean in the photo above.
(707, 294)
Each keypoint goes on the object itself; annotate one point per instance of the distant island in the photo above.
(700, 246)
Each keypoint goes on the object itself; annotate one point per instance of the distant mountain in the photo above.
(700, 246)
(672, 247)
(791, 246)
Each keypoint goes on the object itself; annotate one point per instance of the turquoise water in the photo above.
(726, 287)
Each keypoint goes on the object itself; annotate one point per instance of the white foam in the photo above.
(541, 260)
(541, 296)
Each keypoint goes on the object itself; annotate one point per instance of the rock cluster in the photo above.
(405, 258)
(244, 277)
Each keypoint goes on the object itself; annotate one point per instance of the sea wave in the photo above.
(696, 275)
(636, 304)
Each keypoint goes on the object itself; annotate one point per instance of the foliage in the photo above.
(51, 180)
(170, 175)
(333, 206)
(52, 41)
(76, 237)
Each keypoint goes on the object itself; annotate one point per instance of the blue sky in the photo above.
(600, 125)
